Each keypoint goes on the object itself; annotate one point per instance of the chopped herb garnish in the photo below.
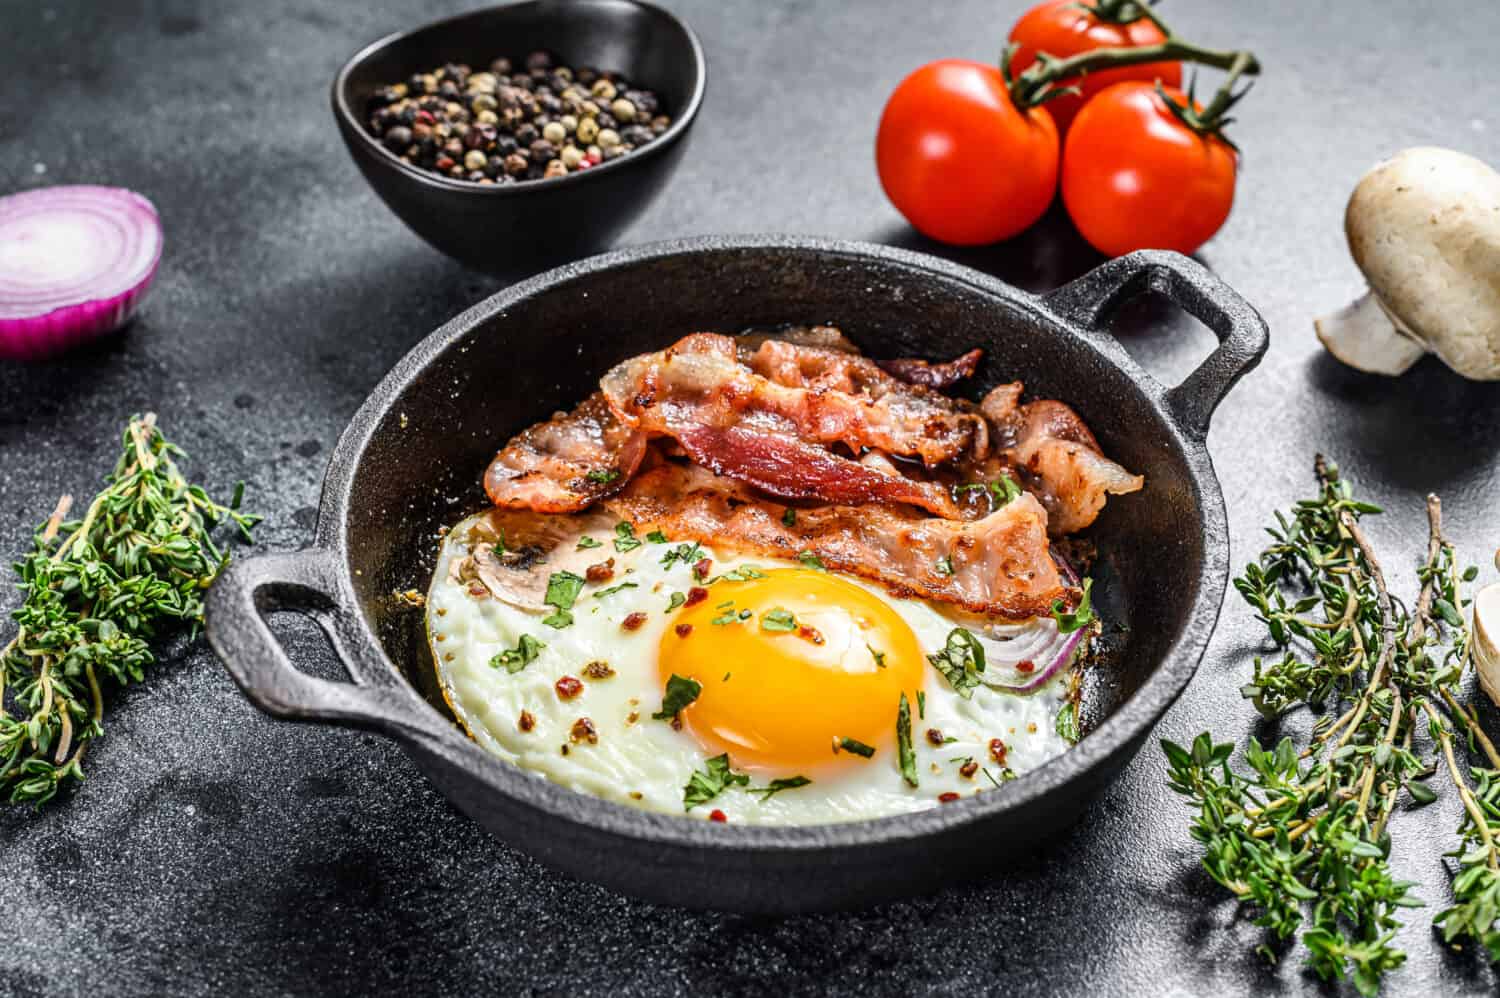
(706, 784)
(789, 518)
(614, 589)
(778, 620)
(517, 658)
(843, 743)
(811, 560)
(1080, 618)
(585, 542)
(688, 554)
(742, 574)
(904, 750)
(562, 591)
(1001, 491)
(727, 617)
(922, 705)
(625, 539)
(1067, 723)
(724, 605)
(961, 661)
(944, 565)
(726, 678)
(1006, 775)
(676, 600)
(603, 475)
(879, 657)
(679, 694)
(777, 786)
(656, 537)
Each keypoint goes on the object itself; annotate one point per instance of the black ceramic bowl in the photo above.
(501, 228)
(411, 460)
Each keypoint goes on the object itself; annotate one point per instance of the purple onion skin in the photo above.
(45, 336)
(1041, 679)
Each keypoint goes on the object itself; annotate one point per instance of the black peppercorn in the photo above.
(500, 67)
(527, 134)
(539, 59)
(516, 164)
(398, 138)
(636, 135)
(542, 151)
(505, 145)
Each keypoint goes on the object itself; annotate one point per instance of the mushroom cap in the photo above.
(1487, 639)
(1424, 228)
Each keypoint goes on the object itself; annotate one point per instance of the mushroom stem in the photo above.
(1365, 336)
(1486, 611)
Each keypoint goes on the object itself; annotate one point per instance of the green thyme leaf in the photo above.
(625, 539)
(603, 475)
(777, 786)
(601, 593)
(904, 750)
(656, 537)
(1068, 622)
(706, 784)
(585, 542)
(811, 560)
(961, 662)
(778, 619)
(879, 657)
(843, 743)
(679, 694)
(517, 658)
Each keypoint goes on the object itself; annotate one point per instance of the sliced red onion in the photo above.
(1038, 642)
(75, 263)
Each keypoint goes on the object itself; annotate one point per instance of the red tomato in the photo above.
(1135, 177)
(1062, 28)
(959, 161)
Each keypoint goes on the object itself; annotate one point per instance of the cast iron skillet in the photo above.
(410, 463)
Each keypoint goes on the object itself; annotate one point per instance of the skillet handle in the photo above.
(307, 581)
(1243, 337)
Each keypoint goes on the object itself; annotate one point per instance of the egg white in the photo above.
(645, 763)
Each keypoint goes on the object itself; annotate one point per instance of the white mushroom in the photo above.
(1424, 228)
(1487, 638)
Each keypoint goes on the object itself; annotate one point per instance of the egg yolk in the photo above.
(789, 664)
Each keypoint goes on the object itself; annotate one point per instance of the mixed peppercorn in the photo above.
(513, 123)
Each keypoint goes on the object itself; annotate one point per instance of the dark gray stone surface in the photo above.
(215, 851)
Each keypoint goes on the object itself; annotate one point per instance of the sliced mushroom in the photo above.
(1487, 638)
(1424, 228)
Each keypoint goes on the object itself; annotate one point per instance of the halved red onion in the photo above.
(75, 262)
(1037, 643)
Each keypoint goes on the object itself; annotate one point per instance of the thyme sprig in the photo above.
(1303, 838)
(98, 591)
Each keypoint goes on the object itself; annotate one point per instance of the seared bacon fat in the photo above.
(1052, 445)
(820, 396)
(567, 463)
(997, 565)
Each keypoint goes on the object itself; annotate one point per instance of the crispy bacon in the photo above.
(700, 381)
(567, 463)
(1052, 444)
(999, 565)
(937, 376)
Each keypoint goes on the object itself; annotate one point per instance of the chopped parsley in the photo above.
(1067, 723)
(961, 661)
(1006, 775)
(600, 594)
(625, 539)
(944, 565)
(656, 537)
(706, 784)
(777, 786)
(904, 750)
(517, 658)
(562, 591)
(1078, 619)
(811, 560)
(585, 542)
(778, 619)
(742, 574)
(922, 705)
(1001, 491)
(789, 518)
(676, 600)
(843, 743)
(603, 475)
(688, 554)
(679, 694)
(879, 657)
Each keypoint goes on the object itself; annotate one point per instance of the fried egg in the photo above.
(688, 680)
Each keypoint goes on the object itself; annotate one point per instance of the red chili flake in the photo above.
(526, 721)
(934, 736)
(583, 730)
(810, 634)
(602, 572)
(696, 595)
(477, 589)
(683, 630)
(968, 769)
(1026, 665)
(444, 162)
(567, 687)
(949, 797)
(717, 815)
(633, 621)
(425, 118)
(997, 751)
(700, 570)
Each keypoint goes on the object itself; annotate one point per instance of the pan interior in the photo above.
(520, 361)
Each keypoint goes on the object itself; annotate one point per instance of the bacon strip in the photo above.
(548, 467)
(699, 381)
(1000, 564)
(936, 376)
(1047, 439)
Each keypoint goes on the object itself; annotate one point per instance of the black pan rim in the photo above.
(1118, 732)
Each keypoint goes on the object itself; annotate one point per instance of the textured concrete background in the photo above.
(215, 851)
